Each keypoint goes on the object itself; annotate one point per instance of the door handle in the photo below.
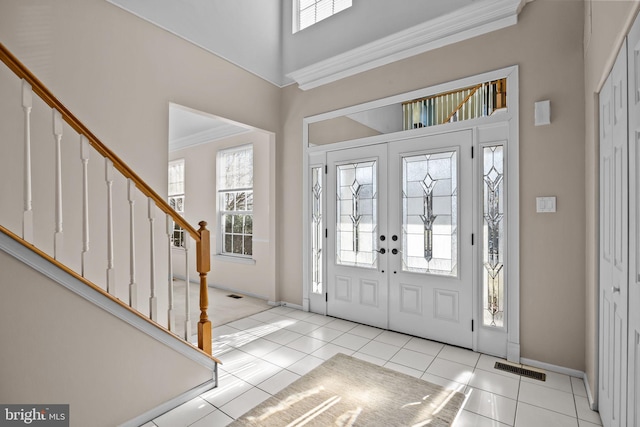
(394, 251)
(615, 290)
(382, 251)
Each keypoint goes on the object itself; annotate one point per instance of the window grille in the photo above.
(235, 192)
(176, 198)
(310, 12)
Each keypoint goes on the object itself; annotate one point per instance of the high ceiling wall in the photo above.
(257, 35)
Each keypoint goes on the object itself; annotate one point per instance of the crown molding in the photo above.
(206, 136)
(479, 18)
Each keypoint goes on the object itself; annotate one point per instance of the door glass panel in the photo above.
(493, 236)
(316, 230)
(356, 227)
(430, 214)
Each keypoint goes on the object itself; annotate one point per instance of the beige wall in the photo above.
(59, 348)
(606, 24)
(139, 69)
(547, 46)
(118, 74)
(201, 204)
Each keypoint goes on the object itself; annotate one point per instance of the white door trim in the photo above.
(508, 118)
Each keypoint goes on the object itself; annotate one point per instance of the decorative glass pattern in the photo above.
(316, 230)
(356, 227)
(493, 241)
(430, 214)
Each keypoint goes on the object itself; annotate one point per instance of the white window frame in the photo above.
(297, 24)
(178, 235)
(221, 212)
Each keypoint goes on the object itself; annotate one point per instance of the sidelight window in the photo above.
(494, 238)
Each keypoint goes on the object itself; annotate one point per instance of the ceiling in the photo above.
(257, 36)
(188, 128)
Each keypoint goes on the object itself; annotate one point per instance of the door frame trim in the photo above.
(311, 154)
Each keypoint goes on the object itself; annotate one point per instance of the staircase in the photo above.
(462, 104)
(70, 210)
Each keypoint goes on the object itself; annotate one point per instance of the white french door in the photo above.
(357, 282)
(400, 219)
(431, 215)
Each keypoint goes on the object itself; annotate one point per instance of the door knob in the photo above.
(394, 251)
(394, 237)
(382, 251)
(383, 238)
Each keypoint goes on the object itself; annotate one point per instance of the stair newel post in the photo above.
(84, 157)
(57, 134)
(204, 266)
(27, 217)
(171, 313)
(111, 272)
(186, 242)
(133, 287)
(153, 300)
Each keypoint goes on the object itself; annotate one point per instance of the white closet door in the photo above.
(633, 375)
(614, 229)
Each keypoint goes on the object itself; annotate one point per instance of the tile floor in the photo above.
(265, 352)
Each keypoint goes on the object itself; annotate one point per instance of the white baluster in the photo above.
(111, 272)
(153, 300)
(133, 287)
(57, 133)
(187, 309)
(27, 217)
(171, 314)
(84, 157)
(491, 93)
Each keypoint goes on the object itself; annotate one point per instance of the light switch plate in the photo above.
(545, 204)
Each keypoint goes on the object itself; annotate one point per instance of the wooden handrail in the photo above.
(474, 90)
(451, 92)
(201, 236)
(41, 90)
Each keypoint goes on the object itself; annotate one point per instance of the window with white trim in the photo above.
(309, 12)
(235, 201)
(176, 198)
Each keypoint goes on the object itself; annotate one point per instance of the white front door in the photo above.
(400, 219)
(431, 216)
(357, 285)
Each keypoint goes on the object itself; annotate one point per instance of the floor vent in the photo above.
(541, 376)
(234, 296)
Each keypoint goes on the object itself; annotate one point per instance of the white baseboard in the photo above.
(237, 291)
(170, 404)
(593, 404)
(290, 305)
(552, 368)
(223, 288)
